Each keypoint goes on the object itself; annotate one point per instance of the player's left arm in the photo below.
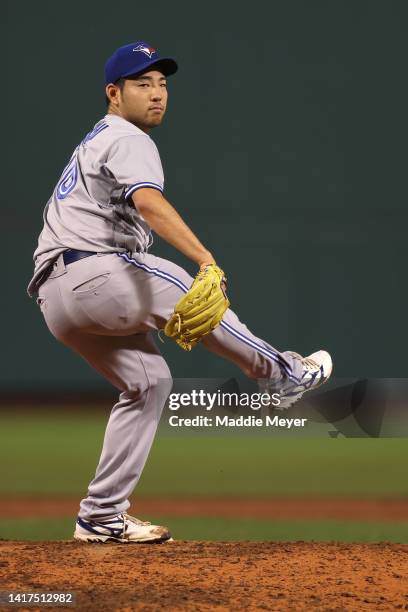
(163, 218)
(134, 162)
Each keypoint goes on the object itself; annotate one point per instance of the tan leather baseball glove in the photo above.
(200, 310)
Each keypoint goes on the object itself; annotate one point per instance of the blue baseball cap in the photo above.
(136, 58)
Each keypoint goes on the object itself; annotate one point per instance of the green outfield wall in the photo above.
(284, 148)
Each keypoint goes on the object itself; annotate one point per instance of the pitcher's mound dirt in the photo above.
(212, 575)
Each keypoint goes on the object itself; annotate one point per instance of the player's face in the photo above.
(143, 99)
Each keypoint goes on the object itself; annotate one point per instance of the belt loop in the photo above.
(58, 267)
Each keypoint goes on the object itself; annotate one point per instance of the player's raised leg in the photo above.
(231, 339)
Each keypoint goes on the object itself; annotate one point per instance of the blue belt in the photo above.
(71, 255)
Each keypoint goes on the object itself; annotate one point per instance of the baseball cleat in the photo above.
(122, 529)
(317, 369)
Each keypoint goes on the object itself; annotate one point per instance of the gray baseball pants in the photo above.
(106, 307)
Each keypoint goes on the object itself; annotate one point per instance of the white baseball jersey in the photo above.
(91, 208)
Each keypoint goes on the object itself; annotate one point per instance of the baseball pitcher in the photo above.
(104, 294)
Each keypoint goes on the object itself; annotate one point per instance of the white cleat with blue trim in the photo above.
(122, 529)
(317, 369)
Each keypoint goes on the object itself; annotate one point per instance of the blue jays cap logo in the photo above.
(146, 50)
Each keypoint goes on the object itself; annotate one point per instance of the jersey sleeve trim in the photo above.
(136, 186)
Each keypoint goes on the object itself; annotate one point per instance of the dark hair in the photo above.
(119, 83)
